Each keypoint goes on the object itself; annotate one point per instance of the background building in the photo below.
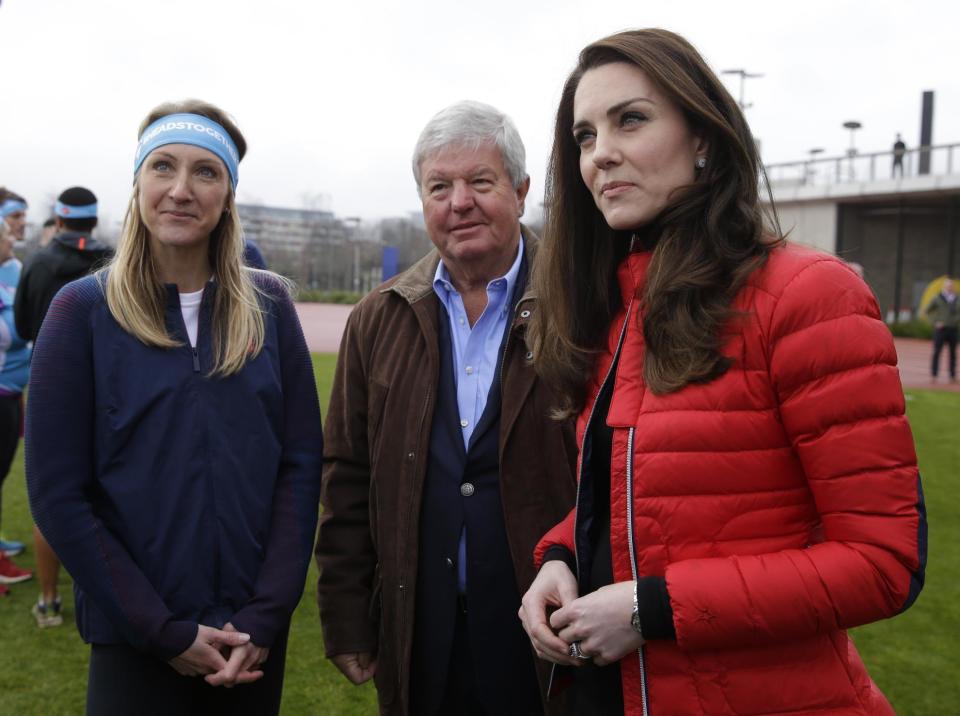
(321, 252)
(902, 229)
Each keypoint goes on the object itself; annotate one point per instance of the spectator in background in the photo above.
(13, 210)
(14, 372)
(71, 254)
(944, 312)
(899, 150)
(252, 256)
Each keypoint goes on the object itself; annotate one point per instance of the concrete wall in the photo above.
(870, 233)
(904, 232)
(811, 223)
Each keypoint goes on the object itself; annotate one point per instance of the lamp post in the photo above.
(853, 125)
(810, 173)
(744, 76)
(351, 223)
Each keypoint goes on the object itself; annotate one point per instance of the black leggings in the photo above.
(944, 336)
(125, 681)
(10, 411)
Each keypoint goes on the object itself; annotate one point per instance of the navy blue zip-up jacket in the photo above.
(173, 498)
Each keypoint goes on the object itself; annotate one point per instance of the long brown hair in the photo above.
(136, 297)
(705, 242)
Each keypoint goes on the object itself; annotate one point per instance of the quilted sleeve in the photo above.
(833, 366)
(560, 535)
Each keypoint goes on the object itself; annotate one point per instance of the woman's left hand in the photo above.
(600, 621)
(243, 664)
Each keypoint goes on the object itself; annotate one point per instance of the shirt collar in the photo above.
(442, 283)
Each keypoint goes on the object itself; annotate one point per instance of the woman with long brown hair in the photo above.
(173, 441)
(748, 486)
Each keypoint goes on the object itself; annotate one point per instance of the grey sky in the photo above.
(331, 96)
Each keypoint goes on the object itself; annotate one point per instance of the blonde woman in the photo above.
(174, 443)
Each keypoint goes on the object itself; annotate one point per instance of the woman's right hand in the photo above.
(204, 655)
(555, 586)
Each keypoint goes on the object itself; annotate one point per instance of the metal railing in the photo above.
(875, 166)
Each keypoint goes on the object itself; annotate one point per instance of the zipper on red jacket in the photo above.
(576, 517)
(586, 436)
(633, 558)
(630, 536)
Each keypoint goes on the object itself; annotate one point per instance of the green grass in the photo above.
(910, 657)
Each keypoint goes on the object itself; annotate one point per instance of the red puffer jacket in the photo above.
(782, 500)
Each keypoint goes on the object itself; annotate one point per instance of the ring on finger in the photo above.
(577, 653)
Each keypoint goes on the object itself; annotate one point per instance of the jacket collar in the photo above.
(632, 275)
(416, 282)
(173, 294)
(72, 239)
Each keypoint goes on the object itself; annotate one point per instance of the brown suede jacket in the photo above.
(376, 444)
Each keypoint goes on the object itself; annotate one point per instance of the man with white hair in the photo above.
(442, 463)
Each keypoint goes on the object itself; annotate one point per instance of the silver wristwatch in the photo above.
(635, 618)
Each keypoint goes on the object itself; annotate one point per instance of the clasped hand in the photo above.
(224, 657)
(599, 621)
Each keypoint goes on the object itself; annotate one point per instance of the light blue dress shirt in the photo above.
(475, 352)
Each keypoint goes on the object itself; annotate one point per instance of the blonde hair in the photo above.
(137, 298)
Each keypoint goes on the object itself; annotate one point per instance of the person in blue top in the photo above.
(14, 371)
(174, 447)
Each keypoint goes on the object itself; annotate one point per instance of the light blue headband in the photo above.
(12, 206)
(75, 212)
(192, 129)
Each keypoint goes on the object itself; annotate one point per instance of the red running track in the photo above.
(323, 325)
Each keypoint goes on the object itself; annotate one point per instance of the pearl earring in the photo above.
(701, 162)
